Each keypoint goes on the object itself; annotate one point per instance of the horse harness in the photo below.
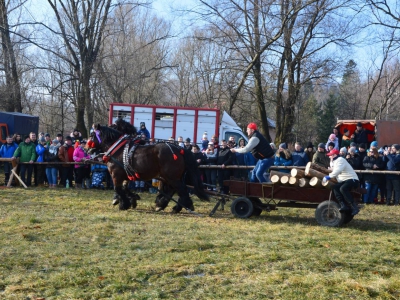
(125, 141)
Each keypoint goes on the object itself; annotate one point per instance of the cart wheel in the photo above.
(347, 217)
(242, 208)
(328, 214)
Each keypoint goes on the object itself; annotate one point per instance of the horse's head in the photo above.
(124, 127)
(102, 138)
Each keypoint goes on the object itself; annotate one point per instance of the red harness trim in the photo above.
(108, 155)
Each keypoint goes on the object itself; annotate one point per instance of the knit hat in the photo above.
(397, 146)
(59, 134)
(332, 137)
(359, 124)
(55, 141)
(42, 140)
(283, 146)
(331, 144)
(344, 150)
(187, 140)
(68, 138)
(47, 134)
(76, 129)
(310, 145)
(142, 124)
(205, 135)
(321, 145)
(374, 144)
(362, 146)
(352, 144)
(252, 126)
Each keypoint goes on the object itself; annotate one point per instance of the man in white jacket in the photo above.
(347, 180)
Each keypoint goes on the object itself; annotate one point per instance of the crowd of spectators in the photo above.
(354, 147)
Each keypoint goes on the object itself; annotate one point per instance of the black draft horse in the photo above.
(169, 163)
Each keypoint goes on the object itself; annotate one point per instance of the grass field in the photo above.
(68, 244)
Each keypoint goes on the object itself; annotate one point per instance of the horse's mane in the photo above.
(125, 127)
(109, 134)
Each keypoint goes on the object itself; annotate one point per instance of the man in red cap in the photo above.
(347, 180)
(261, 150)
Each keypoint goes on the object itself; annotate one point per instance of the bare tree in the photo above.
(13, 96)
(81, 25)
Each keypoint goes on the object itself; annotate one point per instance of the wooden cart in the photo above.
(247, 200)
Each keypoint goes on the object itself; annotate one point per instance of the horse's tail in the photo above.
(193, 173)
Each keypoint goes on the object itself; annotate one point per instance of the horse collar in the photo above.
(115, 147)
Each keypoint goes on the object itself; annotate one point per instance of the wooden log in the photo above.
(298, 173)
(280, 174)
(304, 182)
(314, 173)
(275, 179)
(317, 168)
(294, 181)
(285, 179)
(328, 184)
(315, 182)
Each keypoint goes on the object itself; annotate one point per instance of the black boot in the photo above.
(354, 209)
(344, 207)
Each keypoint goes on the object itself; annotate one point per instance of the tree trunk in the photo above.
(315, 182)
(13, 101)
(304, 182)
(317, 167)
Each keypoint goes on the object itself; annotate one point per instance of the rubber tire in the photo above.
(328, 214)
(242, 208)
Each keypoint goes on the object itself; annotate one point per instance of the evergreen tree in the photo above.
(327, 118)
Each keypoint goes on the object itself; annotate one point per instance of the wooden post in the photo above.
(19, 178)
(298, 173)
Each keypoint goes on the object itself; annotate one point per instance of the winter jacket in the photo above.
(66, 154)
(362, 136)
(335, 141)
(40, 152)
(354, 161)
(7, 150)
(368, 163)
(145, 132)
(342, 170)
(211, 156)
(201, 156)
(225, 156)
(310, 154)
(283, 158)
(392, 162)
(300, 158)
(321, 159)
(26, 152)
(79, 155)
(346, 141)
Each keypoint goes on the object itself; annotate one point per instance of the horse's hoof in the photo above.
(115, 201)
(176, 209)
(159, 209)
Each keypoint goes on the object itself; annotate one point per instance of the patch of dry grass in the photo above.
(64, 244)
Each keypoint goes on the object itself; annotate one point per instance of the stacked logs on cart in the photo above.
(311, 176)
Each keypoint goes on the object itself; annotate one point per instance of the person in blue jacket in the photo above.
(283, 157)
(143, 130)
(6, 151)
(299, 157)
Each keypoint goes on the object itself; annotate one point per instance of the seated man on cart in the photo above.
(347, 180)
(261, 149)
